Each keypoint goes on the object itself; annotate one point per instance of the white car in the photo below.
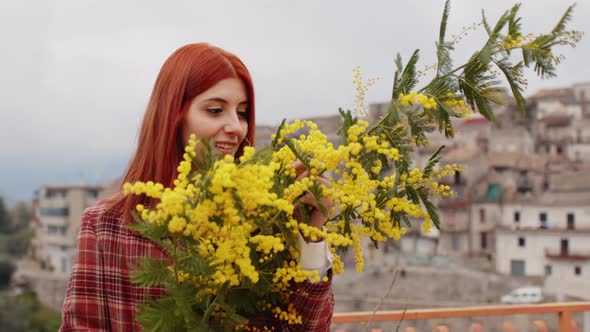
(524, 295)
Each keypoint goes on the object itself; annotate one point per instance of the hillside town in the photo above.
(521, 215)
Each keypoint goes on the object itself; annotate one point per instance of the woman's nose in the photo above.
(233, 124)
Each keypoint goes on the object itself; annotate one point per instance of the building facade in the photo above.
(59, 211)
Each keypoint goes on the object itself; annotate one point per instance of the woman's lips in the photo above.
(225, 148)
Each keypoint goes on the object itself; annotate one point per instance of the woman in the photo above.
(207, 91)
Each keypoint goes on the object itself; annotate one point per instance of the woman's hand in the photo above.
(316, 216)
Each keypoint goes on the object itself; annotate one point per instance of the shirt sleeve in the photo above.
(315, 256)
(315, 303)
(85, 307)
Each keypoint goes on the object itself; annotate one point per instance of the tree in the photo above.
(5, 222)
(7, 268)
(22, 214)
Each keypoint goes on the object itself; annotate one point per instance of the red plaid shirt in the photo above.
(100, 296)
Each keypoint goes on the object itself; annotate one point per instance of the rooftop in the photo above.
(564, 95)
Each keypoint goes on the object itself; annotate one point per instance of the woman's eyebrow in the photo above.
(221, 100)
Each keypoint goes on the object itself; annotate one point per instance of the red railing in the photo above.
(563, 310)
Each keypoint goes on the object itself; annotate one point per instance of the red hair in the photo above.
(188, 72)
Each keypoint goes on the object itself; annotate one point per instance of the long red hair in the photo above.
(188, 72)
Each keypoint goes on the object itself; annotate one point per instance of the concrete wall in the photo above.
(556, 215)
(563, 282)
(491, 214)
(578, 152)
(533, 253)
(454, 244)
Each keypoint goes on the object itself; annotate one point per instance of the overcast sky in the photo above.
(75, 75)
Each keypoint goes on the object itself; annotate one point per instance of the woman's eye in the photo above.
(214, 110)
(243, 114)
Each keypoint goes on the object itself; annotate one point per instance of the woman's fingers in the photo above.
(308, 199)
(299, 167)
(302, 175)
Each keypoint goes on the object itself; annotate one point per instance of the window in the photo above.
(516, 216)
(578, 270)
(55, 193)
(483, 239)
(517, 267)
(56, 230)
(482, 215)
(521, 241)
(559, 150)
(543, 219)
(64, 265)
(54, 212)
(570, 221)
(457, 178)
(564, 247)
(545, 182)
(92, 193)
(548, 270)
(52, 229)
(455, 241)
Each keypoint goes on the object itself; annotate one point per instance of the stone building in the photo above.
(547, 234)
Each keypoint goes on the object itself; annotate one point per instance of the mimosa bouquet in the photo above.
(229, 226)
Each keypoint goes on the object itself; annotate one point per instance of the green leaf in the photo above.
(514, 25)
(407, 79)
(443, 49)
(566, 17)
(475, 84)
(393, 112)
(315, 193)
(485, 55)
(513, 75)
(432, 161)
(278, 134)
(148, 271)
(304, 158)
(184, 300)
(347, 121)
(406, 220)
(430, 208)
(194, 264)
(484, 21)
(443, 22)
(231, 313)
(150, 231)
(159, 315)
(412, 194)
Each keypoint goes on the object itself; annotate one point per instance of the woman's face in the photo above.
(219, 114)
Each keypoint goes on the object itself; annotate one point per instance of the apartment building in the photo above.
(547, 235)
(454, 211)
(58, 213)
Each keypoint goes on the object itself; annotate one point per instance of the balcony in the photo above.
(458, 201)
(53, 202)
(563, 311)
(54, 221)
(57, 240)
(567, 255)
